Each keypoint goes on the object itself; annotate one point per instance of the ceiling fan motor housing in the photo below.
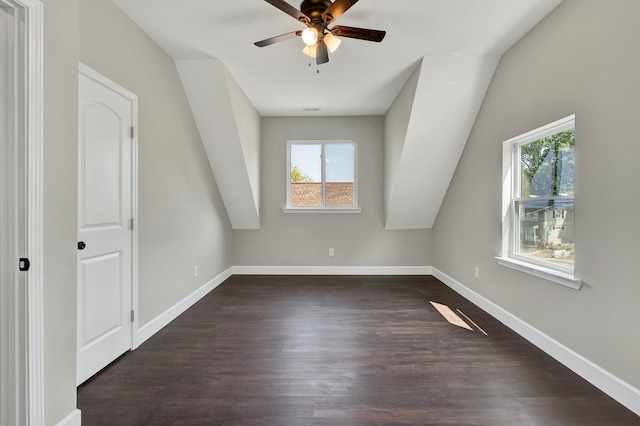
(314, 9)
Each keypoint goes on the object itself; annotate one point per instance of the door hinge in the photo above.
(133, 316)
(131, 224)
(132, 132)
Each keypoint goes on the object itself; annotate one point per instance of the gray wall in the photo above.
(182, 221)
(304, 239)
(583, 59)
(60, 224)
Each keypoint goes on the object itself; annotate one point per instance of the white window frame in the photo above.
(559, 274)
(291, 209)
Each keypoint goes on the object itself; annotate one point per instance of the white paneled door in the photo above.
(105, 222)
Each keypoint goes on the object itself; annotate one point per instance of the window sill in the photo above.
(321, 210)
(548, 274)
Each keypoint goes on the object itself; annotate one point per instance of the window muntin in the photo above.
(542, 197)
(321, 175)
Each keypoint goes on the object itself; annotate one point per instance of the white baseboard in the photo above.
(332, 270)
(73, 419)
(162, 320)
(613, 386)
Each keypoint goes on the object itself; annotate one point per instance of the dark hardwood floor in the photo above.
(274, 350)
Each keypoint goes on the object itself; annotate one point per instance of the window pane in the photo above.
(547, 166)
(340, 175)
(545, 230)
(306, 175)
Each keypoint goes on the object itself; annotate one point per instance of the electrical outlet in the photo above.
(195, 271)
(477, 272)
(331, 251)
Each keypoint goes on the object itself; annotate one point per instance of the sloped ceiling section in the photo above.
(229, 126)
(426, 129)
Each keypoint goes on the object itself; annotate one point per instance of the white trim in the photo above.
(136, 225)
(322, 142)
(133, 98)
(558, 277)
(73, 419)
(557, 126)
(162, 320)
(613, 386)
(99, 78)
(332, 270)
(559, 274)
(322, 210)
(34, 111)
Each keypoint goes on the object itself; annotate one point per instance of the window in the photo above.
(321, 176)
(538, 202)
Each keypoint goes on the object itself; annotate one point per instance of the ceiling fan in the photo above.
(317, 15)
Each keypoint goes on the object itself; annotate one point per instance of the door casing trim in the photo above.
(34, 404)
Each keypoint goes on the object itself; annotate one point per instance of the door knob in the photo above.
(24, 264)
(81, 245)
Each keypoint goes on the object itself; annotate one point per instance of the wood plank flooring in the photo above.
(290, 350)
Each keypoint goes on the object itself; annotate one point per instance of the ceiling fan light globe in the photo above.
(310, 36)
(310, 51)
(332, 42)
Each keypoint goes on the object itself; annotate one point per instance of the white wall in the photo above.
(438, 106)
(396, 124)
(182, 221)
(229, 127)
(248, 124)
(60, 206)
(304, 239)
(583, 59)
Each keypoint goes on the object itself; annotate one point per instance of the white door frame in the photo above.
(29, 322)
(35, 306)
(94, 75)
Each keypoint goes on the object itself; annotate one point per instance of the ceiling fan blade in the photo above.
(277, 39)
(290, 10)
(322, 54)
(336, 10)
(359, 33)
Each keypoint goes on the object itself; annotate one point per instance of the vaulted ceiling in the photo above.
(438, 55)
